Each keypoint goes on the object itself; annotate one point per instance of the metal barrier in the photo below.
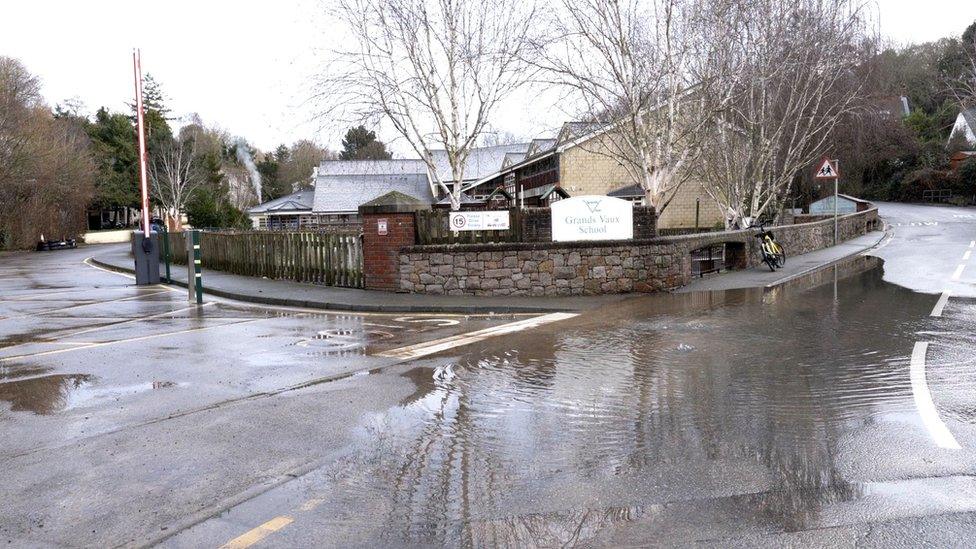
(937, 195)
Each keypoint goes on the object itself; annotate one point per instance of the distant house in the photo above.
(959, 158)
(289, 212)
(893, 106)
(575, 162)
(965, 128)
(536, 173)
(340, 187)
(481, 162)
(845, 204)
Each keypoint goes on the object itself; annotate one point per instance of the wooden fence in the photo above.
(433, 228)
(318, 258)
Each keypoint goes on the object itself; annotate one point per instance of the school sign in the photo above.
(592, 218)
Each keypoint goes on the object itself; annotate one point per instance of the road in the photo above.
(835, 410)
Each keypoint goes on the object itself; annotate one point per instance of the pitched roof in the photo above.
(294, 202)
(481, 161)
(343, 185)
(539, 146)
(970, 116)
(465, 199)
(577, 129)
(372, 167)
(629, 191)
(512, 158)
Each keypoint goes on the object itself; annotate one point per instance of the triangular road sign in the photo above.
(826, 170)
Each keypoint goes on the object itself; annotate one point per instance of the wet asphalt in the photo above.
(785, 417)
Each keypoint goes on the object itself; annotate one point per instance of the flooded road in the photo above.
(801, 415)
(686, 416)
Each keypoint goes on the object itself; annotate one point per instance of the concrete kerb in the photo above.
(351, 307)
(829, 264)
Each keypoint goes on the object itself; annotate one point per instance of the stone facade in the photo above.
(586, 168)
(590, 268)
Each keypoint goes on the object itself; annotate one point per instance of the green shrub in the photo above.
(914, 184)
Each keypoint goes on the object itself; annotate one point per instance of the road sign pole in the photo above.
(830, 170)
(836, 187)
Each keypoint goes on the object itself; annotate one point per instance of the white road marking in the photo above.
(923, 401)
(139, 319)
(88, 261)
(940, 304)
(958, 274)
(438, 321)
(438, 345)
(965, 256)
(129, 340)
(972, 243)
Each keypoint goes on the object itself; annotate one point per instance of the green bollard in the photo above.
(194, 283)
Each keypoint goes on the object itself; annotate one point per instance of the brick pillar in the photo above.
(388, 226)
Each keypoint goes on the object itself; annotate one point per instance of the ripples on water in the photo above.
(656, 399)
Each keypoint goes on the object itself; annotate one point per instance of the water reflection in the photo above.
(43, 394)
(687, 397)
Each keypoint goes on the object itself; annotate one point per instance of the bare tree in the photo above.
(174, 175)
(795, 80)
(641, 70)
(47, 176)
(436, 70)
(961, 82)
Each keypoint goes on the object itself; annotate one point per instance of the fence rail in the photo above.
(433, 228)
(937, 195)
(318, 258)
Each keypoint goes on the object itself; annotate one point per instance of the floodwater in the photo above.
(686, 415)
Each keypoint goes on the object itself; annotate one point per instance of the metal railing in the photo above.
(937, 195)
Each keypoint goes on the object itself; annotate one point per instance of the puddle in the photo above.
(44, 394)
(31, 389)
(672, 397)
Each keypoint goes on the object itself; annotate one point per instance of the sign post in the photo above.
(828, 170)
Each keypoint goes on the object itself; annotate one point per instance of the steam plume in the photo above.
(244, 156)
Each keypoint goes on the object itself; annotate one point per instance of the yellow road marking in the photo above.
(251, 537)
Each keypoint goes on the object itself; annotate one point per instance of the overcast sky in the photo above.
(246, 65)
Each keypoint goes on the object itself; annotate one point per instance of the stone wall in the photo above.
(590, 268)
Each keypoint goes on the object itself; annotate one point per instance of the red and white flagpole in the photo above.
(137, 70)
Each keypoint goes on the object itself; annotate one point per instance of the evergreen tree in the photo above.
(361, 144)
(116, 159)
(271, 186)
